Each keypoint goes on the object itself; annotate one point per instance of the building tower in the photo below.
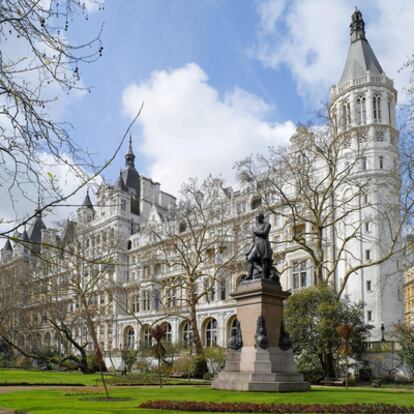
(362, 108)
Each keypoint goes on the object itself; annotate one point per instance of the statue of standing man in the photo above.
(259, 256)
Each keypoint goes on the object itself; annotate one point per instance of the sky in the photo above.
(219, 79)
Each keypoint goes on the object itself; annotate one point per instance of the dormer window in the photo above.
(123, 205)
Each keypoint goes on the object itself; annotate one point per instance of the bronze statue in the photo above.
(236, 342)
(259, 256)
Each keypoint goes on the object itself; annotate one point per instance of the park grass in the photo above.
(79, 401)
(36, 377)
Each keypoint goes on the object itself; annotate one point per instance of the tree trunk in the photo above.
(159, 371)
(98, 360)
(198, 347)
(329, 365)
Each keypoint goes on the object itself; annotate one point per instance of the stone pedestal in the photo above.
(252, 368)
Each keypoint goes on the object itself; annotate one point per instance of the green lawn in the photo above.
(66, 402)
(15, 376)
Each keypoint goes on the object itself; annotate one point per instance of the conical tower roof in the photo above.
(8, 246)
(37, 227)
(87, 201)
(119, 184)
(361, 58)
(130, 175)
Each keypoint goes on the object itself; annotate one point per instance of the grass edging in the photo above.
(277, 408)
(40, 384)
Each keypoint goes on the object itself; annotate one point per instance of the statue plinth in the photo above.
(260, 364)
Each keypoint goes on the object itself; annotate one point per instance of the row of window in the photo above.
(361, 111)
(380, 162)
(209, 334)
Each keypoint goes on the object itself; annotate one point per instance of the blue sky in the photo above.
(220, 79)
(141, 37)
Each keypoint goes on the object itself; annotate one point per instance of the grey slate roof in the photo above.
(120, 184)
(87, 202)
(130, 177)
(25, 236)
(36, 229)
(361, 58)
(8, 246)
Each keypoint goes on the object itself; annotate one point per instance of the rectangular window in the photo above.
(369, 315)
(381, 162)
(364, 163)
(365, 199)
(135, 303)
(367, 227)
(367, 254)
(369, 287)
(157, 300)
(299, 275)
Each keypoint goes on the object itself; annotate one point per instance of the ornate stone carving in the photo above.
(284, 339)
(236, 341)
(261, 334)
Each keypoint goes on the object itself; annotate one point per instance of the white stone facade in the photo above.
(362, 106)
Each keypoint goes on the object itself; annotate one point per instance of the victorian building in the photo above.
(138, 291)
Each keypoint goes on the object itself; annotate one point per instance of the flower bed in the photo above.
(277, 408)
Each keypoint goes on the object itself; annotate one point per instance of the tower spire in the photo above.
(130, 156)
(357, 26)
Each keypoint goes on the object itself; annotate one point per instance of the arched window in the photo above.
(256, 203)
(361, 113)
(183, 227)
(210, 332)
(130, 337)
(146, 336)
(346, 115)
(231, 326)
(168, 332)
(47, 339)
(187, 335)
(376, 105)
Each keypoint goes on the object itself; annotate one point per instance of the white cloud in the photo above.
(311, 37)
(189, 130)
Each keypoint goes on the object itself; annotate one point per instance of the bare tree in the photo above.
(320, 186)
(65, 290)
(199, 242)
(39, 64)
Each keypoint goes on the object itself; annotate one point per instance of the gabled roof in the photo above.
(25, 236)
(8, 246)
(120, 184)
(361, 58)
(36, 229)
(87, 201)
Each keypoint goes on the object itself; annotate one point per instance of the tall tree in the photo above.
(201, 241)
(318, 185)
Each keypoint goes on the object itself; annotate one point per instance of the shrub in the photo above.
(23, 362)
(216, 356)
(182, 366)
(143, 366)
(198, 366)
